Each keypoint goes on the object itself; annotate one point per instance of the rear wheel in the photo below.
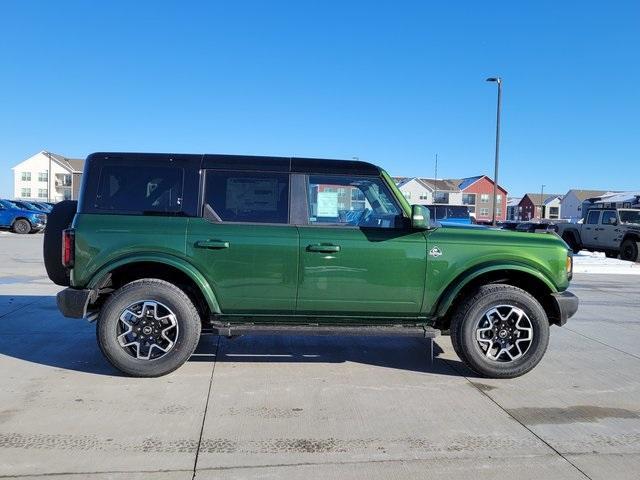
(148, 328)
(21, 226)
(500, 331)
(629, 250)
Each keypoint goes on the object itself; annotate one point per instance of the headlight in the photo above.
(569, 265)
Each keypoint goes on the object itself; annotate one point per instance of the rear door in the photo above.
(588, 233)
(357, 257)
(243, 241)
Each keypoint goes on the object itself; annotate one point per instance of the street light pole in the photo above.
(541, 200)
(497, 80)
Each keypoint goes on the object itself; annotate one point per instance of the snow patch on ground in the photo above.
(597, 262)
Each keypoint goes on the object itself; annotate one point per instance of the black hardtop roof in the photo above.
(244, 162)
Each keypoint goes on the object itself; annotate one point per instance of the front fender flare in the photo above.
(447, 297)
(185, 267)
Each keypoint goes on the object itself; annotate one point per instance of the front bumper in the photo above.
(73, 302)
(566, 305)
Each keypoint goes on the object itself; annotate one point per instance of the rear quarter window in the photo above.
(138, 189)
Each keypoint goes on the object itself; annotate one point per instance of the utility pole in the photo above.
(498, 81)
(435, 182)
(542, 201)
(49, 179)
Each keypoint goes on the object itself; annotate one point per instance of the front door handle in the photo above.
(212, 244)
(323, 248)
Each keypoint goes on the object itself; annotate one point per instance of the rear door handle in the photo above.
(212, 244)
(323, 248)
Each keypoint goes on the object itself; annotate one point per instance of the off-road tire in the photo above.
(630, 250)
(570, 239)
(473, 307)
(189, 324)
(21, 226)
(58, 219)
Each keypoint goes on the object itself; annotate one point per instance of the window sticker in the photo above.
(327, 204)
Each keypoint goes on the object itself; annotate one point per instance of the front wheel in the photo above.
(21, 226)
(500, 331)
(630, 250)
(148, 328)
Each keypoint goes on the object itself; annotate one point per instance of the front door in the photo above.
(357, 257)
(609, 233)
(244, 244)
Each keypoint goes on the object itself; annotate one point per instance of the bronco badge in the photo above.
(435, 252)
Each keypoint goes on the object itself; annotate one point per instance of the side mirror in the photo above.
(613, 221)
(420, 217)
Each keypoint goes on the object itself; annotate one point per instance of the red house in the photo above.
(477, 194)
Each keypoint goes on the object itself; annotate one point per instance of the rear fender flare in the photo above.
(192, 272)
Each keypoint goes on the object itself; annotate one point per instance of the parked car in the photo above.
(536, 227)
(609, 230)
(45, 207)
(28, 205)
(21, 220)
(450, 214)
(508, 225)
(161, 245)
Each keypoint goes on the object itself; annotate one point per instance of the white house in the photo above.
(47, 176)
(552, 207)
(421, 191)
(571, 204)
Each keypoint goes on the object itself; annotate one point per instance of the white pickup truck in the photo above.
(609, 230)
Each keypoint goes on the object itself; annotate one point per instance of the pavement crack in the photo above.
(206, 409)
(602, 343)
(485, 393)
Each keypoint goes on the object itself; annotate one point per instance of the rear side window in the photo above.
(252, 197)
(140, 189)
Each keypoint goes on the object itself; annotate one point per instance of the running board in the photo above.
(323, 330)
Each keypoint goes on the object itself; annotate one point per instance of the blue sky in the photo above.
(392, 82)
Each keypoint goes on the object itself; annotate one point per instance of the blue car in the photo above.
(448, 214)
(21, 220)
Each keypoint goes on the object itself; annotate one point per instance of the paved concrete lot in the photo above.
(308, 407)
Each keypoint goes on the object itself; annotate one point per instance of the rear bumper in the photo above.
(566, 304)
(73, 302)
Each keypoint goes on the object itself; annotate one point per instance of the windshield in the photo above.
(629, 216)
(9, 204)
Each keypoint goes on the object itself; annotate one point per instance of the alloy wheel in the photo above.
(504, 333)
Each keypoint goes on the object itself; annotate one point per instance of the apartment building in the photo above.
(47, 176)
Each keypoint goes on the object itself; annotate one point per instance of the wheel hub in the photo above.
(504, 333)
(147, 330)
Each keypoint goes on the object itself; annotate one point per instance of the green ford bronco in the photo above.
(160, 247)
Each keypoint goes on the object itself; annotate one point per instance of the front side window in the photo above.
(26, 176)
(248, 197)
(609, 217)
(592, 218)
(368, 203)
(138, 189)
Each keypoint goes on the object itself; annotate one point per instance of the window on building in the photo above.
(498, 198)
(472, 209)
(66, 194)
(424, 197)
(554, 212)
(372, 205)
(43, 176)
(468, 198)
(484, 198)
(250, 197)
(498, 211)
(26, 176)
(42, 193)
(63, 180)
(25, 192)
(407, 195)
(484, 212)
(441, 197)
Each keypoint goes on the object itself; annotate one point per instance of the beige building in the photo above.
(47, 176)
